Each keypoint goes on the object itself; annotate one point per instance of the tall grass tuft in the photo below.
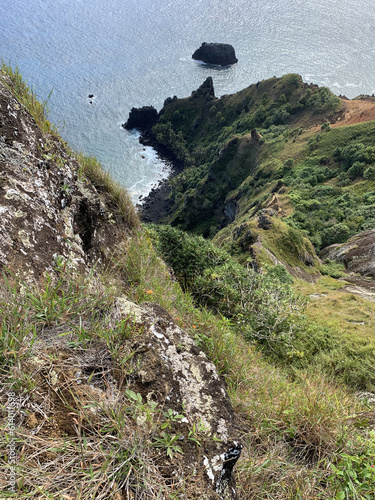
(27, 97)
(102, 180)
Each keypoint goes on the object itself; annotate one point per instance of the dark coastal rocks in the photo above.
(358, 253)
(143, 118)
(205, 91)
(216, 53)
(169, 100)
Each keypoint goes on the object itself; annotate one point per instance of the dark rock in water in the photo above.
(142, 118)
(206, 90)
(216, 53)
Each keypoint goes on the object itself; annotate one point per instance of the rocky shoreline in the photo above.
(156, 206)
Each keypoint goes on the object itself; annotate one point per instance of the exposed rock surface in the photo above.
(46, 210)
(205, 91)
(173, 371)
(358, 253)
(222, 54)
(142, 118)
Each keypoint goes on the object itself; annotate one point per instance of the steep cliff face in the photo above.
(48, 210)
(85, 345)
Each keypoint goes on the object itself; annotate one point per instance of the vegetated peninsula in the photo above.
(143, 361)
(280, 168)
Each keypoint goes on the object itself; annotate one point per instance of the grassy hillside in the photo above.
(217, 141)
(270, 147)
(306, 434)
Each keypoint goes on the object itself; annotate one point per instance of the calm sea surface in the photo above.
(137, 52)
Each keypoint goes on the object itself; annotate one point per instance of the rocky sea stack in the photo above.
(142, 118)
(216, 53)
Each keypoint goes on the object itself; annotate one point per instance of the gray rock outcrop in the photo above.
(46, 210)
(172, 371)
(222, 54)
(358, 253)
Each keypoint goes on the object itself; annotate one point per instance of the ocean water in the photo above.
(138, 52)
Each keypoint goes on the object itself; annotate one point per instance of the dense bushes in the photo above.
(333, 212)
(264, 309)
(261, 305)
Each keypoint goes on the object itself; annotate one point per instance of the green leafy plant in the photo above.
(333, 269)
(170, 417)
(169, 442)
(354, 474)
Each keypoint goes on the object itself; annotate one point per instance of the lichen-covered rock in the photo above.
(222, 54)
(358, 253)
(47, 211)
(170, 369)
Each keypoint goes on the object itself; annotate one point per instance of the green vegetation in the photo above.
(332, 189)
(298, 430)
(216, 140)
(262, 306)
(265, 310)
(290, 377)
(120, 200)
(302, 420)
(333, 269)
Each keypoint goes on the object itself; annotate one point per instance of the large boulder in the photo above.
(142, 118)
(169, 369)
(358, 253)
(216, 53)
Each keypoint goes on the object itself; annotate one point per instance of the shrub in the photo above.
(323, 100)
(354, 474)
(369, 173)
(333, 269)
(261, 305)
(356, 170)
(335, 234)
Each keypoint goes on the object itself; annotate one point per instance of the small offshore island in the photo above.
(221, 54)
